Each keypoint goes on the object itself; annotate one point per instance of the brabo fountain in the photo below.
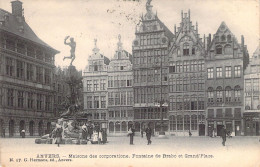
(69, 121)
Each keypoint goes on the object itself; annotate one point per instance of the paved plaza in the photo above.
(173, 151)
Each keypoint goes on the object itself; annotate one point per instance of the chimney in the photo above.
(17, 8)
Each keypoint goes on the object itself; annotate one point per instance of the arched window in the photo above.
(210, 95)
(219, 94)
(228, 94)
(237, 93)
(228, 49)
(186, 49)
(223, 38)
(117, 126)
(219, 49)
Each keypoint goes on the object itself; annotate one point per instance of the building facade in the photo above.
(187, 80)
(252, 95)
(95, 87)
(120, 91)
(26, 76)
(150, 69)
(225, 64)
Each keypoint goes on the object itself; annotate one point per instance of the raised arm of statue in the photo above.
(66, 40)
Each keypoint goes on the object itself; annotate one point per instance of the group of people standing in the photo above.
(148, 132)
(99, 135)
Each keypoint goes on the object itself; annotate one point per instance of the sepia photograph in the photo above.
(129, 83)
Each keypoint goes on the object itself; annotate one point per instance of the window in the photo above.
(20, 48)
(194, 122)
(186, 49)
(172, 69)
(95, 85)
(30, 100)
(10, 97)
(95, 67)
(172, 123)
(103, 116)
(9, 66)
(96, 115)
(89, 85)
(19, 69)
(179, 122)
(223, 38)
(111, 98)
(210, 95)
(110, 81)
(10, 45)
(111, 114)
(228, 94)
(29, 72)
(193, 51)
(39, 75)
(229, 38)
(129, 98)
(20, 99)
(237, 94)
(186, 122)
(117, 98)
(39, 54)
(228, 50)
(47, 103)
(30, 51)
(237, 71)
(228, 112)
(122, 81)
(219, 94)
(194, 103)
(123, 113)
(219, 49)
(47, 76)
(117, 114)
(219, 72)
(39, 101)
(237, 113)
(123, 98)
(210, 113)
(129, 80)
(210, 73)
(255, 84)
(219, 113)
(89, 101)
(102, 84)
(96, 102)
(228, 72)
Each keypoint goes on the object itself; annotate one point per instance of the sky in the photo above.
(104, 20)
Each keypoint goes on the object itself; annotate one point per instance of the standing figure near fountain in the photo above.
(72, 45)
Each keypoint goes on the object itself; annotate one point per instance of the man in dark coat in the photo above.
(59, 135)
(131, 133)
(223, 134)
(148, 132)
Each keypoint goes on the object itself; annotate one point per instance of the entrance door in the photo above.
(11, 128)
(219, 127)
(201, 129)
(22, 126)
(31, 124)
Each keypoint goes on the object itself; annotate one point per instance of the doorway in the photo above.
(11, 128)
(31, 125)
(201, 129)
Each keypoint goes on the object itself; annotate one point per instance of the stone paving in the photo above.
(173, 151)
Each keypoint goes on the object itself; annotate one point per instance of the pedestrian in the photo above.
(190, 133)
(131, 134)
(148, 132)
(100, 137)
(90, 131)
(214, 132)
(95, 137)
(84, 132)
(58, 135)
(104, 136)
(23, 133)
(142, 133)
(223, 133)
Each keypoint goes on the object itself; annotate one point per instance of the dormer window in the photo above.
(186, 49)
(219, 49)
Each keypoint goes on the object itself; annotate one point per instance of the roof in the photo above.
(168, 33)
(12, 26)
